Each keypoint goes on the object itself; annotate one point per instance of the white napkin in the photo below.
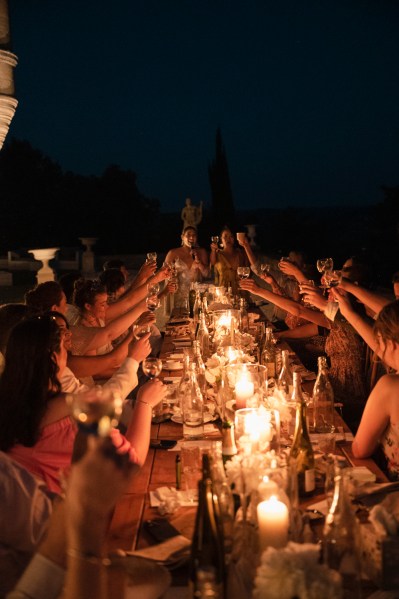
(202, 443)
(172, 497)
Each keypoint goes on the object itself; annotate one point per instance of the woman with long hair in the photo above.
(36, 428)
(226, 260)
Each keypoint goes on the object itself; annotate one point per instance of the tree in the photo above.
(219, 179)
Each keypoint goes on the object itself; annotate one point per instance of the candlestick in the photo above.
(273, 523)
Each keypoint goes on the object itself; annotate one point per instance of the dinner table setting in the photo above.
(335, 535)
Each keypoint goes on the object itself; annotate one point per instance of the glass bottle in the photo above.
(340, 542)
(206, 569)
(244, 316)
(268, 356)
(222, 490)
(229, 448)
(200, 371)
(202, 335)
(323, 400)
(302, 450)
(285, 379)
(197, 307)
(192, 407)
(191, 300)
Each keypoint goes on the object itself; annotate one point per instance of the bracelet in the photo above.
(90, 558)
(144, 402)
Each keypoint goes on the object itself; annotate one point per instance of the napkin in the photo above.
(202, 443)
(169, 496)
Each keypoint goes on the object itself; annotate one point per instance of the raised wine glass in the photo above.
(265, 268)
(153, 288)
(139, 330)
(215, 239)
(325, 264)
(243, 272)
(151, 257)
(152, 302)
(96, 410)
(152, 367)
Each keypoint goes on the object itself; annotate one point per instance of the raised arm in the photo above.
(286, 303)
(372, 300)
(244, 243)
(83, 366)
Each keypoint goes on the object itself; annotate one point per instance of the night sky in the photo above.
(306, 94)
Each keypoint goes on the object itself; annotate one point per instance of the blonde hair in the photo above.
(387, 323)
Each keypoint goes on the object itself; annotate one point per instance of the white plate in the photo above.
(207, 418)
(171, 365)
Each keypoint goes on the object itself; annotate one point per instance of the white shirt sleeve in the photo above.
(124, 379)
(42, 579)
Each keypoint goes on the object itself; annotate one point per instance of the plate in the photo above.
(171, 365)
(207, 418)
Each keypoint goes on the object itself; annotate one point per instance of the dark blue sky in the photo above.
(306, 93)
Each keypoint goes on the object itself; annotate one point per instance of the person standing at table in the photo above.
(190, 262)
(226, 260)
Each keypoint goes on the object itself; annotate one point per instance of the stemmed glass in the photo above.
(153, 288)
(215, 239)
(264, 268)
(152, 368)
(151, 257)
(152, 302)
(325, 264)
(139, 330)
(96, 410)
(243, 272)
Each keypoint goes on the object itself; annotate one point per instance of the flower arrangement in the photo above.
(215, 364)
(294, 572)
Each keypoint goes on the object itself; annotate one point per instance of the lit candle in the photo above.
(267, 488)
(244, 390)
(273, 523)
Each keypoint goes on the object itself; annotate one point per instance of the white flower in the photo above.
(295, 572)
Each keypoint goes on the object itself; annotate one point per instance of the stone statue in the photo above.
(191, 215)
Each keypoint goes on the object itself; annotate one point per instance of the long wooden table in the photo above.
(133, 508)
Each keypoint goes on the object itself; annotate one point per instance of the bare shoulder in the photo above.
(57, 408)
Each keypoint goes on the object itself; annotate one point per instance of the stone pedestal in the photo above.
(45, 273)
(88, 269)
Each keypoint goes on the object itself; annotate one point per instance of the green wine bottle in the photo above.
(302, 450)
(206, 577)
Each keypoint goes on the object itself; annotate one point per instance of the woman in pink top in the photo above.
(35, 424)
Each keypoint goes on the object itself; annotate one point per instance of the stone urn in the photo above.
(88, 256)
(46, 273)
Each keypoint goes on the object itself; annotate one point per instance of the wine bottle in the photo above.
(268, 356)
(202, 335)
(201, 369)
(302, 450)
(229, 448)
(340, 541)
(197, 309)
(285, 378)
(206, 570)
(191, 300)
(323, 400)
(244, 316)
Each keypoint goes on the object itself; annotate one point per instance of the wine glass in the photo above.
(151, 257)
(265, 268)
(152, 302)
(152, 367)
(243, 272)
(153, 288)
(96, 410)
(139, 330)
(215, 239)
(325, 264)
(332, 278)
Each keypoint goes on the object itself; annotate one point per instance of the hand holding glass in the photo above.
(243, 272)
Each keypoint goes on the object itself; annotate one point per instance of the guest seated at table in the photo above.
(10, 315)
(49, 296)
(343, 346)
(380, 421)
(190, 263)
(70, 560)
(36, 428)
(67, 282)
(26, 506)
(226, 259)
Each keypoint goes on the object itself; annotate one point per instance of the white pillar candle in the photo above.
(273, 521)
(244, 390)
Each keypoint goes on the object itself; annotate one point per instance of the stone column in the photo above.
(8, 61)
(45, 273)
